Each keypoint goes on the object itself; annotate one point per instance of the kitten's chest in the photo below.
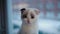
(30, 29)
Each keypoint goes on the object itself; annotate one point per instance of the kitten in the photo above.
(29, 18)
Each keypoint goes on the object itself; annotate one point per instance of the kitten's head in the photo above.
(29, 15)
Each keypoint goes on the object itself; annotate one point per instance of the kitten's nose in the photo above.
(28, 21)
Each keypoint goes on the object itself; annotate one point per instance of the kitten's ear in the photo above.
(37, 11)
(22, 10)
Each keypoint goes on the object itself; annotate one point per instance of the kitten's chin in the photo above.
(28, 23)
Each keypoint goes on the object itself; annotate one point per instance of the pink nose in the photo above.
(28, 21)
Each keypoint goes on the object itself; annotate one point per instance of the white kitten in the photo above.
(29, 18)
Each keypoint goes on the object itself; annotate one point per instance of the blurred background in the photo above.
(49, 20)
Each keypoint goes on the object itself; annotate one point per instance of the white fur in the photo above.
(31, 28)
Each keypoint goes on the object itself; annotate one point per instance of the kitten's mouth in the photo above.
(28, 22)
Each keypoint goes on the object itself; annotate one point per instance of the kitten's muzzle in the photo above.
(28, 21)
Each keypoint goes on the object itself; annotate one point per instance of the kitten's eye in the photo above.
(24, 16)
(32, 16)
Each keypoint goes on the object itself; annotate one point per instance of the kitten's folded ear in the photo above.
(22, 10)
(37, 11)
